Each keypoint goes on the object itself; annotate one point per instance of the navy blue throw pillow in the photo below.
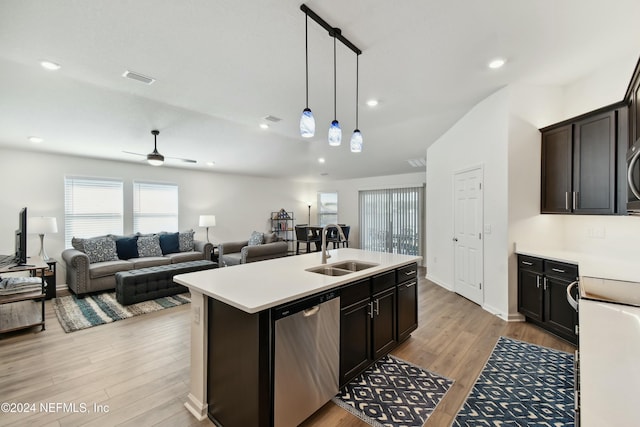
(169, 243)
(127, 247)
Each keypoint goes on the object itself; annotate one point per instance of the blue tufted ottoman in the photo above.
(154, 282)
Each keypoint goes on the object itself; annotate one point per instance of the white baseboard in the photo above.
(197, 408)
(439, 282)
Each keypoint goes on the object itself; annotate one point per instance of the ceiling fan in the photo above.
(155, 158)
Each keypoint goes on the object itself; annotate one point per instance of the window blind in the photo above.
(92, 207)
(155, 207)
(391, 220)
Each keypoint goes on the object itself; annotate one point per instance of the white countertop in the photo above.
(589, 265)
(261, 285)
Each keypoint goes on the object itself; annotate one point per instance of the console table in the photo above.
(21, 310)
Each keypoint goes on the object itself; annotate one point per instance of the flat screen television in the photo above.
(21, 238)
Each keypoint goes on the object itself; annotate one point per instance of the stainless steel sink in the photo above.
(329, 271)
(341, 268)
(353, 265)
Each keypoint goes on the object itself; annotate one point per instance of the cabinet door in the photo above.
(384, 322)
(559, 315)
(407, 308)
(594, 165)
(530, 294)
(355, 339)
(556, 170)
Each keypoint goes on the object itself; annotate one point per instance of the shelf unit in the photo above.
(24, 310)
(283, 224)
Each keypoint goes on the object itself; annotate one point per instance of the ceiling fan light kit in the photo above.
(307, 122)
(155, 158)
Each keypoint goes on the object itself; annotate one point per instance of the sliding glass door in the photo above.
(391, 220)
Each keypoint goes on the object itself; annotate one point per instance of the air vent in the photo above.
(273, 119)
(418, 163)
(139, 77)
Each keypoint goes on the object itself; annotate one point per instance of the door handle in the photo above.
(566, 200)
(455, 239)
(538, 282)
(575, 200)
(377, 307)
(370, 309)
(311, 311)
(544, 283)
(572, 302)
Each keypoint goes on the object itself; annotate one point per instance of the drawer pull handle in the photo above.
(557, 270)
(527, 263)
(410, 273)
(410, 284)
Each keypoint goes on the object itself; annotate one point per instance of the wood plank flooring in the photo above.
(135, 372)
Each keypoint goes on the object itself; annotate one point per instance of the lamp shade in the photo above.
(356, 141)
(43, 225)
(307, 124)
(207, 220)
(335, 134)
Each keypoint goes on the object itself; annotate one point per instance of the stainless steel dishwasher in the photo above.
(307, 357)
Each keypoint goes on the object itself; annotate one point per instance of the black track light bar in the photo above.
(332, 31)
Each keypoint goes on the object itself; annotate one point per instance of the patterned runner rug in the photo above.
(522, 384)
(393, 393)
(75, 314)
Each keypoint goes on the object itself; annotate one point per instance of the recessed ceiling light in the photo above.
(35, 139)
(372, 102)
(50, 65)
(211, 163)
(264, 126)
(497, 63)
(321, 160)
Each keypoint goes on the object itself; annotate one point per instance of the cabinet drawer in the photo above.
(530, 263)
(561, 269)
(383, 281)
(354, 292)
(407, 272)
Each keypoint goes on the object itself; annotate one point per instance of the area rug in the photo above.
(521, 384)
(393, 393)
(75, 314)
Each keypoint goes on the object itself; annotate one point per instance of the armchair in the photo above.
(241, 252)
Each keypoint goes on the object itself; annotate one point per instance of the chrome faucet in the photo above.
(325, 252)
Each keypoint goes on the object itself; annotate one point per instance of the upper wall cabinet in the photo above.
(581, 169)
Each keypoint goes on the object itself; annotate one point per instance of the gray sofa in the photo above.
(268, 247)
(92, 265)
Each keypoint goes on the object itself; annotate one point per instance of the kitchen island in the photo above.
(232, 328)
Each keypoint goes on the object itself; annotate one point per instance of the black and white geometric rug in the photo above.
(393, 393)
(522, 384)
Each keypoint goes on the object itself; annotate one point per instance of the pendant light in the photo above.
(335, 133)
(307, 122)
(356, 138)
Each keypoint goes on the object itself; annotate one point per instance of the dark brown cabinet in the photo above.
(407, 288)
(632, 97)
(368, 323)
(542, 295)
(580, 163)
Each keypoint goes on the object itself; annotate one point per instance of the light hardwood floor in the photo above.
(138, 368)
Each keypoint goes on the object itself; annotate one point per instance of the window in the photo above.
(155, 207)
(92, 207)
(391, 220)
(327, 208)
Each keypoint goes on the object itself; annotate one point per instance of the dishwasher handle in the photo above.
(311, 311)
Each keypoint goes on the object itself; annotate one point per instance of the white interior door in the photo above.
(467, 240)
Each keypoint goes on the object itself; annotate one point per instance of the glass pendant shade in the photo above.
(307, 124)
(356, 141)
(155, 158)
(335, 134)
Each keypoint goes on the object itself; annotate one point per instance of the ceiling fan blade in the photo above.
(182, 160)
(136, 154)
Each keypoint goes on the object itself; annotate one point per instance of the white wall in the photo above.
(241, 203)
(479, 138)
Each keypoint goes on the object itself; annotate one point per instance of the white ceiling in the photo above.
(221, 66)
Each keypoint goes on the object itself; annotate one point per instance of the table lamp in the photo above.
(207, 221)
(42, 225)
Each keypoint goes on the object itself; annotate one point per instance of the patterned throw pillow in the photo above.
(256, 238)
(149, 246)
(100, 249)
(186, 241)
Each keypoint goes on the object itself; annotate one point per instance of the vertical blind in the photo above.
(92, 207)
(155, 207)
(391, 220)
